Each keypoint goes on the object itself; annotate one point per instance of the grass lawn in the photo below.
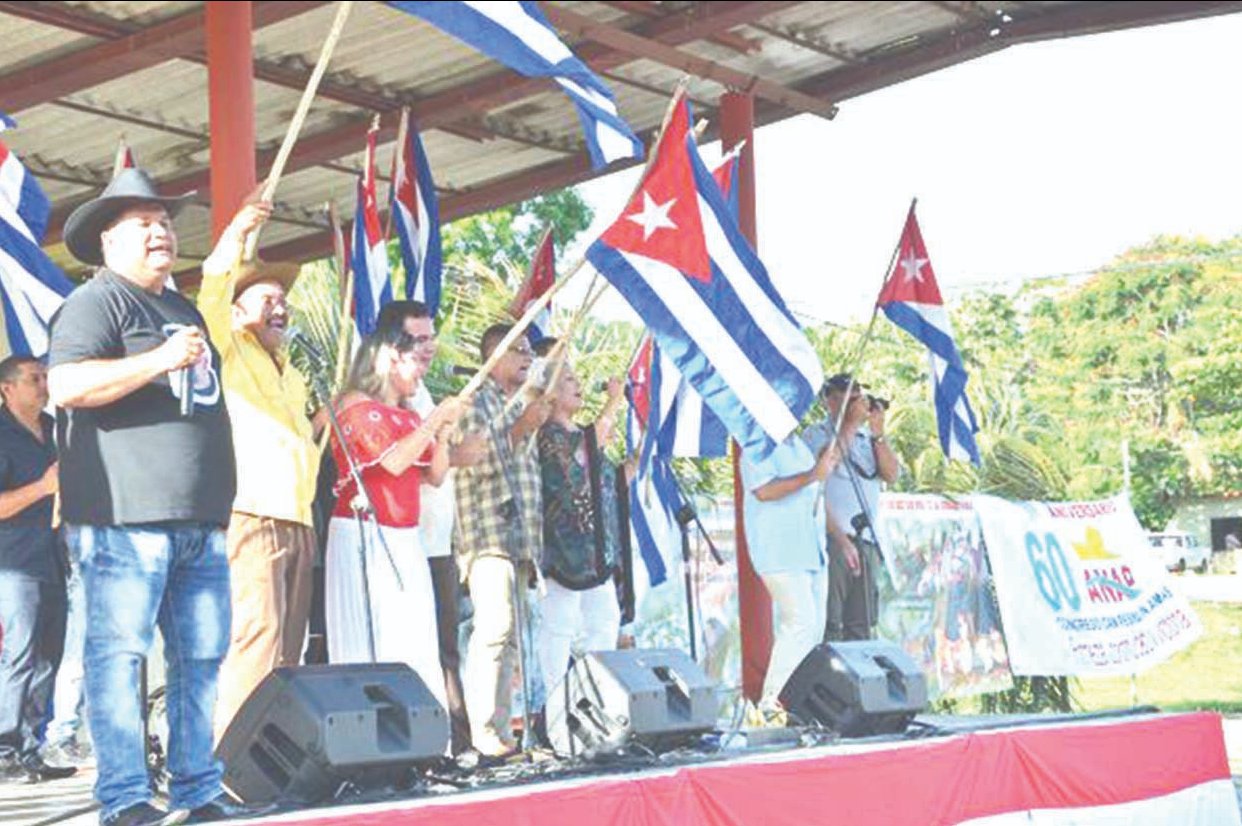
(1207, 675)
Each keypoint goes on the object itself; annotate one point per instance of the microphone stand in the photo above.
(685, 515)
(361, 503)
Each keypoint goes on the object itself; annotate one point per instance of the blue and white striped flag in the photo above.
(6, 122)
(677, 256)
(519, 36)
(32, 288)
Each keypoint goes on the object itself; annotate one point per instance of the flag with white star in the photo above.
(911, 299)
(677, 256)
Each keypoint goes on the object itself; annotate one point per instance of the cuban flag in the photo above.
(32, 288)
(654, 498)
(680, 424)
(911, 300)
(538, 281)
(677, 256)
(6, 122)
(372, 287)
(519, 36)
(416, 214)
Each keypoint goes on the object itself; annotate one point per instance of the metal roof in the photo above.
(76, 75)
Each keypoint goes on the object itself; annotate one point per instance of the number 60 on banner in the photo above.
(1052, 572)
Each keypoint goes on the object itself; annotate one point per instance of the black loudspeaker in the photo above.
(305, 731)
(856, 688)
(659, 698)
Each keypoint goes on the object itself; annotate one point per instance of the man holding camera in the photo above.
(853, 498)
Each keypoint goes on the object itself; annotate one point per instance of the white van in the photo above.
(1180, 550)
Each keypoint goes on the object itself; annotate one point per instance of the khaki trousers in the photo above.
(270, 564)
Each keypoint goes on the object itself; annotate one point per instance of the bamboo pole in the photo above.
(299, 115)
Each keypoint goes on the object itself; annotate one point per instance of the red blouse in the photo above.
(372, 429)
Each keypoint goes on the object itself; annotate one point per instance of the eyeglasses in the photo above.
(422, 341)
(524, 351)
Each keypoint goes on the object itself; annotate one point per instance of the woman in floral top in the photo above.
(580, 529)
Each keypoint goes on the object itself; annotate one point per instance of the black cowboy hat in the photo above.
(129, 189)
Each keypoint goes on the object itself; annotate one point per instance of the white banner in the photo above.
(1080, 591)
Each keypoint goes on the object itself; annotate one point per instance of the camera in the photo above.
(877, 402)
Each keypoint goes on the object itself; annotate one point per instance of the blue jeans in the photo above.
(32, 614)
(176, 574)
(67, 696)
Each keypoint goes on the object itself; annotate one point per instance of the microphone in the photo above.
(293, 334)
(185, 389)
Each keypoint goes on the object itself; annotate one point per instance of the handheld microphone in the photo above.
(185, 389)
(293, 334)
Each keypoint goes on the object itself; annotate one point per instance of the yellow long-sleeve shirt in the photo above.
(277, 458)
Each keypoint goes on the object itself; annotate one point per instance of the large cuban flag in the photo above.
(654, 498)
(911, 300)
(519, 36)
(372, 287)
(32, 288)
(677, 256)
(416, 215)
(674, 414)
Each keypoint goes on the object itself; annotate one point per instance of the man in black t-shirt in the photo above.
(147, 481)
(32, 578)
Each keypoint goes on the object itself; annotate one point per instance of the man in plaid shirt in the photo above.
(499, 535)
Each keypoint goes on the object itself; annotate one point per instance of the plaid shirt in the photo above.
(499, 506)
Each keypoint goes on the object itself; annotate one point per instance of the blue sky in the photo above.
(1044, 158)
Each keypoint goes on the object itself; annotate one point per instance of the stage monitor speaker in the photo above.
(305, 731)
(856, 688)
(659, 698)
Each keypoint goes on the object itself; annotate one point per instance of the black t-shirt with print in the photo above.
(138, 460)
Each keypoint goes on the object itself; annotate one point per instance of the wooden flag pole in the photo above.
(856, 360)
(299, 115)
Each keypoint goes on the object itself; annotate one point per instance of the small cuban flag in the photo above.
(416, 215)
(372, 286)
(911, 300)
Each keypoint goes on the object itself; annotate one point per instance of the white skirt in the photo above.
(403, 617)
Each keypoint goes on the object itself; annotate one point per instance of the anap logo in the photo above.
(1105, 583)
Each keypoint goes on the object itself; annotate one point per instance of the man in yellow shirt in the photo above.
(271, 537)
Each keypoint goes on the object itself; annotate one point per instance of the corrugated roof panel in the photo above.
(27, 43)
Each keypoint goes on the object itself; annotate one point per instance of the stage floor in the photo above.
(1137, 768)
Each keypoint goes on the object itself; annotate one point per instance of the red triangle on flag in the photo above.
(912, 279)
(662, 220)
(640, 380)
(541, 277)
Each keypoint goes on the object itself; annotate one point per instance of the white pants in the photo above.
(491, 657)
(591, 616)
(799, 610)
(403, 618)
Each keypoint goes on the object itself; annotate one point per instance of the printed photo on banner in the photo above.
(1080, 591)
(942, 606)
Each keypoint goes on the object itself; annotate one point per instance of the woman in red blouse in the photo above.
(388, 615)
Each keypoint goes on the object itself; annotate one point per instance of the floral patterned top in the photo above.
(573, 554)
(373, 429)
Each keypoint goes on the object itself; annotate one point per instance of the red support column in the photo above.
(737, 123)
(230, 94)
